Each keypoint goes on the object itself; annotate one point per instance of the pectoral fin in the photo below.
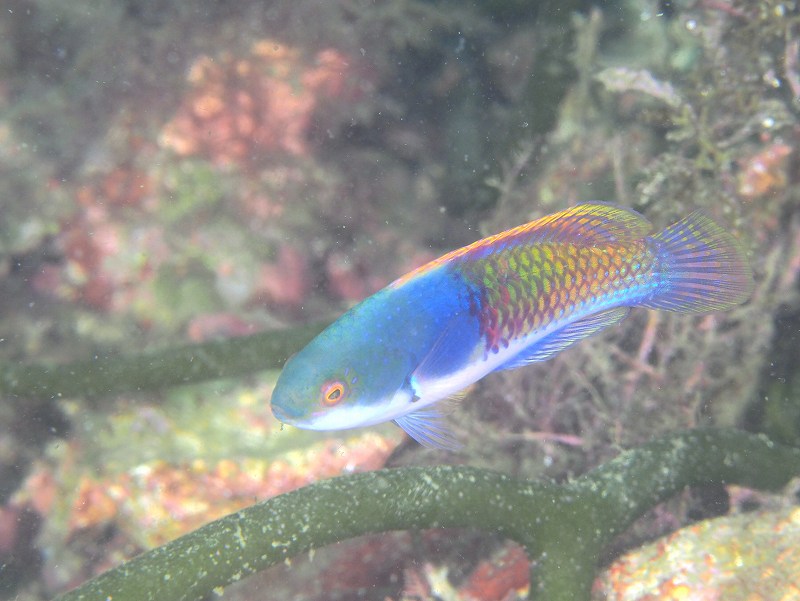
(427, 427)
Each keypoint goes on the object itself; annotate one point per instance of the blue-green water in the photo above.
(175, 174)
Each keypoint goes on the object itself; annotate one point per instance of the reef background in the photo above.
(174, 173)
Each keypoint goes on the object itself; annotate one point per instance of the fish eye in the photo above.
(333, 392)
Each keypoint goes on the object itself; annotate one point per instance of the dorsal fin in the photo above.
(591, 223)
(588, 224)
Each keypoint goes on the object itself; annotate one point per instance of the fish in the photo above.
(503, 302)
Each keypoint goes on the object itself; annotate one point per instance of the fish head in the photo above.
(340, 382)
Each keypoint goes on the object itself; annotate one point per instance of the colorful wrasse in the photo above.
(502, 302)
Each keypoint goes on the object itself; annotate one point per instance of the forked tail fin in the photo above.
(704, 268)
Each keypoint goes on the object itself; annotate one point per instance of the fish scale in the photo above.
(511, 299)
(524, 287)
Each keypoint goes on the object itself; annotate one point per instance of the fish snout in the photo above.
(285, 412)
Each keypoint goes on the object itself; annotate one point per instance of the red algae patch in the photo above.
(158, 501)
(240, 108)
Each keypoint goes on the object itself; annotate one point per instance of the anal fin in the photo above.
(565, 337)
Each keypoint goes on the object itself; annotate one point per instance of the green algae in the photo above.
(205, 422)
(109, 374)
(191, 186)
(563, 527)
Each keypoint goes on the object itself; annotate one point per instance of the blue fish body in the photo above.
(401, 331)
(512, 299)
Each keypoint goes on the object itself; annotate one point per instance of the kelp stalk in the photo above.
(562, 527)
(157, 369)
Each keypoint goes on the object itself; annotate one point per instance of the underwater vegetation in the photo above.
(242, 109)
(712, 560)
(562, 527)
(190, 193)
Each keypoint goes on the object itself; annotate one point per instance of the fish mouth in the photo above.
(284, 415)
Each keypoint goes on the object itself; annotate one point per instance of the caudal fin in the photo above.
(704, 268)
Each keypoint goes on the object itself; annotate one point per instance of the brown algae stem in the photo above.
(563, 527)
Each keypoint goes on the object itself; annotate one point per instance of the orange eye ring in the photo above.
(332, 393)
